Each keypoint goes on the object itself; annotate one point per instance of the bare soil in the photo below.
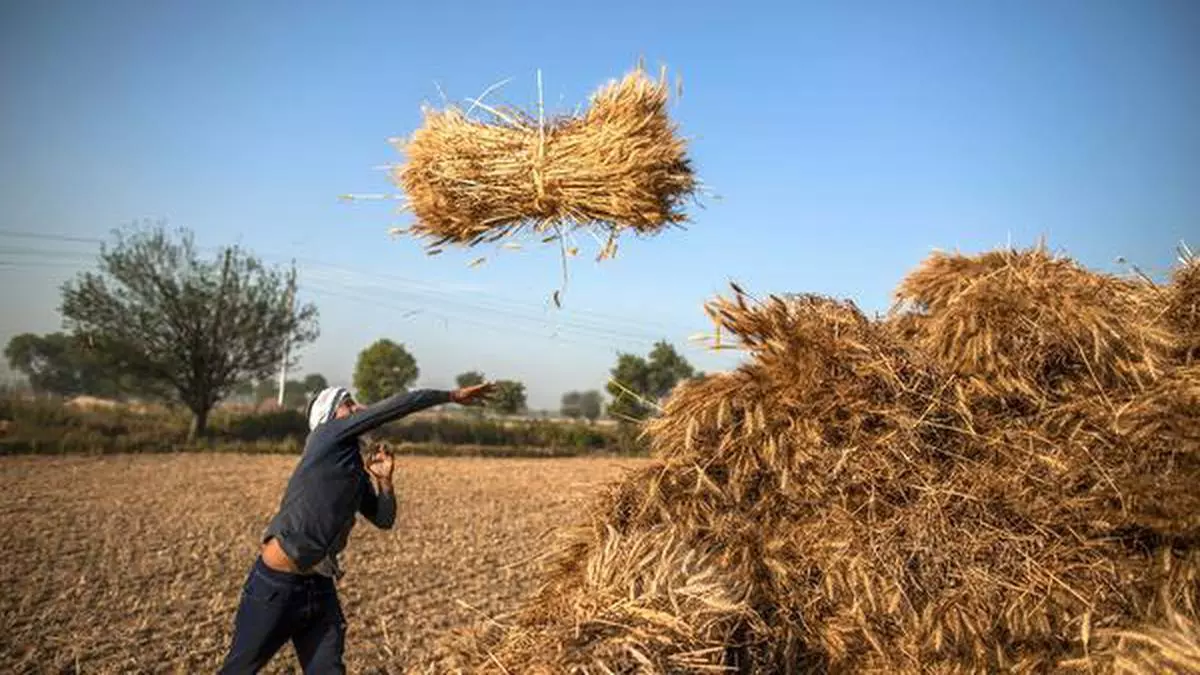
(135, 563)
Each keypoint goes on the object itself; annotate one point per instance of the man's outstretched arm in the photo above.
(387, 410)
(400, 405)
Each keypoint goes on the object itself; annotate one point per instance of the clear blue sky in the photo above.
(846, 140)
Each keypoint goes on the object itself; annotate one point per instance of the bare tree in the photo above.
(158, 311)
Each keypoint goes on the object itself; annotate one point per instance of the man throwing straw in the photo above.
(290, 593)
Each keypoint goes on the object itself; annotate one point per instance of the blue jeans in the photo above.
(277, 607)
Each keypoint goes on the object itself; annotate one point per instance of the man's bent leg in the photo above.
(321, 640)
(265, 620)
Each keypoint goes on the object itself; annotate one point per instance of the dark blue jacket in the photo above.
(330, 484)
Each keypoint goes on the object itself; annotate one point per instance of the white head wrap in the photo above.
(323, 406)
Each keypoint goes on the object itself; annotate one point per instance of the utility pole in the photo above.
(287, 340)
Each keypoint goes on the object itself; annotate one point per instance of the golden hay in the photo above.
(620, 166)
(862, 496)
(1031, 323)
(1183, 307)
(1169, 644)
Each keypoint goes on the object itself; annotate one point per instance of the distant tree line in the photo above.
(62, 365)
(156, 319)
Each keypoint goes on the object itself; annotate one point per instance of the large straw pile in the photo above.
(1172, 646)
(1002, 476)
(619, 166)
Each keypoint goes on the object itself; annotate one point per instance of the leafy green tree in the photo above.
(383, 369)
(571, 405)
(591, 405)
(59, 364)
(469, 379)
(630, 380)
(509, 398)
(667, 368)
(196, 327)
(587, 404)
(314, 382)
(638, 383)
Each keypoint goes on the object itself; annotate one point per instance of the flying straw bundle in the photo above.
(861, 496)
(620, 166)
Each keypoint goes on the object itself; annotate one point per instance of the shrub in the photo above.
(48, 425)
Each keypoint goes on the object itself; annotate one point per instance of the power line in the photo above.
(602, 318)
(14, 264)
(443, 309)
(594, 325)
(495, 299)
(423, 298)
(559, 333)
(21, 250)
(49, 237)
(446, 319)
(446, 308)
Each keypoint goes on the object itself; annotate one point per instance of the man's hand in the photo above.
(473, 395)
(381, 465)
